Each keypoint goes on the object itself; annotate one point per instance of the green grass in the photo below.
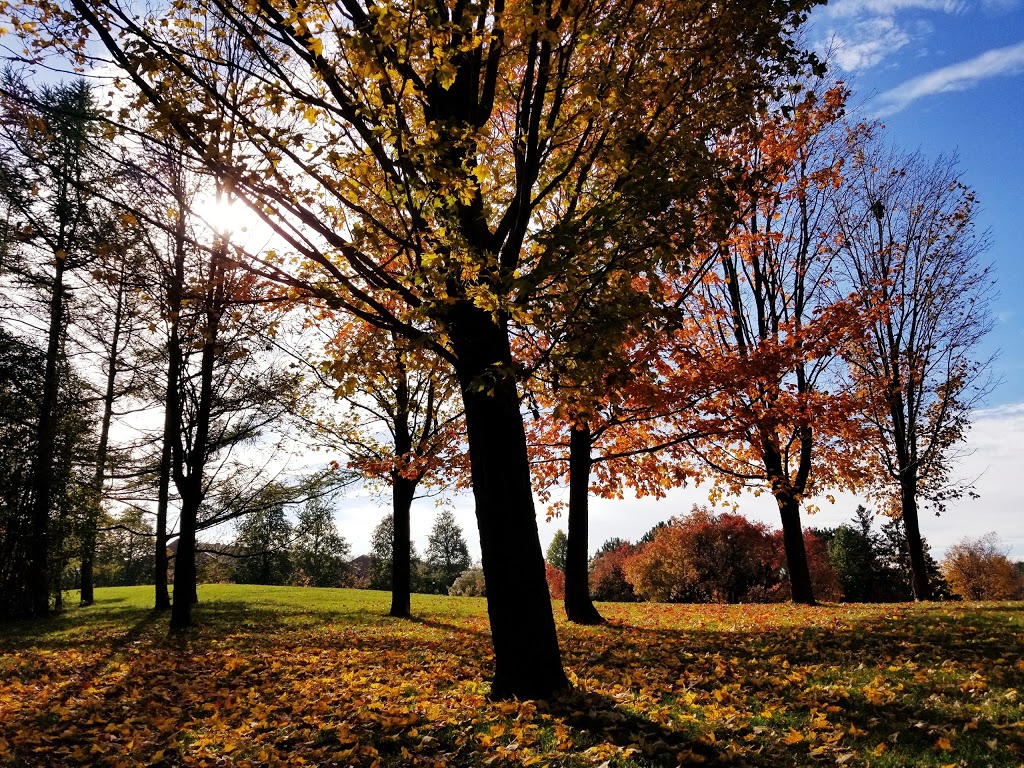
(275, 675)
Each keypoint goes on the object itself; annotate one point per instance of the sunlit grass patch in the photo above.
(273, 674)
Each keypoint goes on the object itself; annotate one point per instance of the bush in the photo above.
(469, 583)
(607, 579)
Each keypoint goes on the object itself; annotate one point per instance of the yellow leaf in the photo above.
(793, 737)
(944, 744)
(310, 114)
(316, 46)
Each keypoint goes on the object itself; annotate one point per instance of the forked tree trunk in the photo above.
(527, 660)
(403, 489)
(796, 554)
(579, 608)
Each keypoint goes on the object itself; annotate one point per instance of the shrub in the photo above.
(469, 583)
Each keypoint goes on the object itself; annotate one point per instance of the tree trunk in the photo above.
(185, 563)
(403, 490)
(912, 529)
(527, 660)
(796, 555)
(89, 532)
(190, 482)
(39, 568)
(579, 608)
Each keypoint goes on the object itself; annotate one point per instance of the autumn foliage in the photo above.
(725, 558)
(975, 569)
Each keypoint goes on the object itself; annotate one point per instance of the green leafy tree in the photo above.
(263, 542)
(447, 553)
(557, 550)
(319, 552)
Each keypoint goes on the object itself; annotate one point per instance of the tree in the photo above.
(401, 427)
(977, 570)
(434, 166)
(705, 557)
(263, 542)
(557, 550)
(909, 246)
(47, 133)
(607, 577)
(22, 371)
(895, 553)
(470, 583)
(447, 553)
(381, 554)
(854, 551)
(318, 550)
(767, 323)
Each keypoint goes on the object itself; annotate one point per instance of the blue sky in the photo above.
(945, 77)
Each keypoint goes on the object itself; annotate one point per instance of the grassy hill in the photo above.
(289, 676)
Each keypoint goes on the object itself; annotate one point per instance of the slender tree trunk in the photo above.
(89, 532)
(796, 554)
(912, 529)
(46, 431)
(403, 489)
(526, 655)
(172, 398)
(579, 608)
(190, 465)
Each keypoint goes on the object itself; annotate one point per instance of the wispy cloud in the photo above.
(855, 8)
(865, 44)
(999, 62)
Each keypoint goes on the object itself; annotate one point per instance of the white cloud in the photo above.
(855, 8)
(999, 62)
(865, 44)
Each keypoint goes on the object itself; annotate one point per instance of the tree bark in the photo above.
(796, 554)
(39, 569)
(579, 608)
(526, 655)
(912, 529)
(403, 489)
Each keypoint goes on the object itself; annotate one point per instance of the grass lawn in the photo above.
(292, 676)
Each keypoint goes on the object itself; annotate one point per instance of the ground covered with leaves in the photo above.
(291, 676)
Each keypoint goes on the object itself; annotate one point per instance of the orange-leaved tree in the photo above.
(402, 424)
(430, 166)
(770, 327)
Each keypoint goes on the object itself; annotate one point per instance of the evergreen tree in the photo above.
(447, 553)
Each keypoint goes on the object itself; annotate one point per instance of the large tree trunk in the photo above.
(185, 563)
(912, 528)
(42, 468)
(527, 660)
(796, 555)
(403, 490)
(579, 608)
